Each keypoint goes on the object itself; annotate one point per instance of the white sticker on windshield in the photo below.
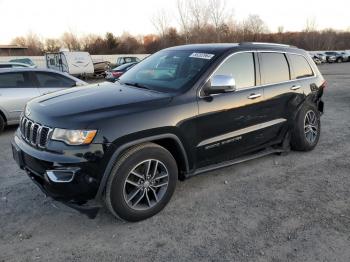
(202, 56)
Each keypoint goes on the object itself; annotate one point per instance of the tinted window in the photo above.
(300, 66)
(14, 80)
(53, 80)
(241, 68)
(5, 66)
(274, 68)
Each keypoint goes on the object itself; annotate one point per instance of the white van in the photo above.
(74, 63)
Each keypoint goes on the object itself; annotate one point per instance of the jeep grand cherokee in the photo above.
(183, 111)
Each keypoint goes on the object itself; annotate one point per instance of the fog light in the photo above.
(61, 175)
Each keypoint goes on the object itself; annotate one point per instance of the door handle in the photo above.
(253, 96)
(295, 87)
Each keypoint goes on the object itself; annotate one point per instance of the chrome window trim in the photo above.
(261, 85)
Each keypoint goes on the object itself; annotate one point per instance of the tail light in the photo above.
(324, 85)
(117, 74)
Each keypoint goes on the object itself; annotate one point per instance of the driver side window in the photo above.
(241, 67)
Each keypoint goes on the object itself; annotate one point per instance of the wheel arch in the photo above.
(3, 116)
(169, 141)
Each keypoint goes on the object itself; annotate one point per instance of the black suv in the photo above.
(182, 111)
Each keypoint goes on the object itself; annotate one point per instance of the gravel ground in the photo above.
(277, 208)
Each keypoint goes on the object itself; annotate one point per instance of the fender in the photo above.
(308, 99)
(121, 148)
(3, 113)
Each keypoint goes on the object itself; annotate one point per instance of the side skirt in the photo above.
(259, 154)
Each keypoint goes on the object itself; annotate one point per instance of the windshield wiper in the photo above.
(136, 85)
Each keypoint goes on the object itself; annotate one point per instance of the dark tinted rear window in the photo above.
(274, 68)
(300, 66)
(53, 80)
(14, 80)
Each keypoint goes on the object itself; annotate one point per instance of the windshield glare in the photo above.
(168, 70)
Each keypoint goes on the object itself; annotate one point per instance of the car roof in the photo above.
(14, 63)
(29, 69)
(21, 69)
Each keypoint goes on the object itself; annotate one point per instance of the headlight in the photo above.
(74, 137)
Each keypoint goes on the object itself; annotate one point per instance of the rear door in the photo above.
(228, 124)
(49, 82)
(282, 95)
(16, 89)
(302, 74)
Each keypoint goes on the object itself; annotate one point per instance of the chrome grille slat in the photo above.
(34, 133)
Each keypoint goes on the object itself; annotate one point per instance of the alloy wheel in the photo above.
(311, 126)
(146, 184)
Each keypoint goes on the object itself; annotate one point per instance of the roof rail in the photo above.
(262, 43)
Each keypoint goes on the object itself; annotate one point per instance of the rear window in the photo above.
(274, 68)
(53, 80)
(14, 80)
(301, 67)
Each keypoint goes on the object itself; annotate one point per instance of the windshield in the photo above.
(168, 70)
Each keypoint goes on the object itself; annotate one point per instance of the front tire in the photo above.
(307, 129)
(141, 182)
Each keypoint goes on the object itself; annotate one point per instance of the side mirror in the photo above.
(220, 84)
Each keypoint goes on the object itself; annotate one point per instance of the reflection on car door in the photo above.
(230, 124)
(49, 82)
(16, 89)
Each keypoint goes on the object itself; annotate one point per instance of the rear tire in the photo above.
(141, 182)
(2, 124)
(307, 129)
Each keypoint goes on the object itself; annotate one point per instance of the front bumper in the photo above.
(71, 178)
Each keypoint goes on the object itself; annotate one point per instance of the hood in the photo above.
(74, 106)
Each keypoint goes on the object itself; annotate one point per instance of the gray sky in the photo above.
(50, 18)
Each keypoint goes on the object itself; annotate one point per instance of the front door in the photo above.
(16, 89)
(231, 124)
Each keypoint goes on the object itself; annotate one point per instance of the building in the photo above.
(13, 50)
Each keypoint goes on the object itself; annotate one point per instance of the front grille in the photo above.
(34, 133)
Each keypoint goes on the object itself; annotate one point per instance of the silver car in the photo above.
(15, 65)
(19, 85)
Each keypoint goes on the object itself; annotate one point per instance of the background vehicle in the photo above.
(100, 67)
(182, 111)
(334, 57)
(346, 56)
(18, 86)
(117, 72)
(127, 59)
(322, 57)
(27, 61)
(316, 60)
(73, 63)
(14, 65)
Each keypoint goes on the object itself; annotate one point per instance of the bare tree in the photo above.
(218, 15)
(32, 41)
(199, 13)
(311, 25)
(161, 22)
(70, 41)
(52, 45)
(184, 18)
(254, 26)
